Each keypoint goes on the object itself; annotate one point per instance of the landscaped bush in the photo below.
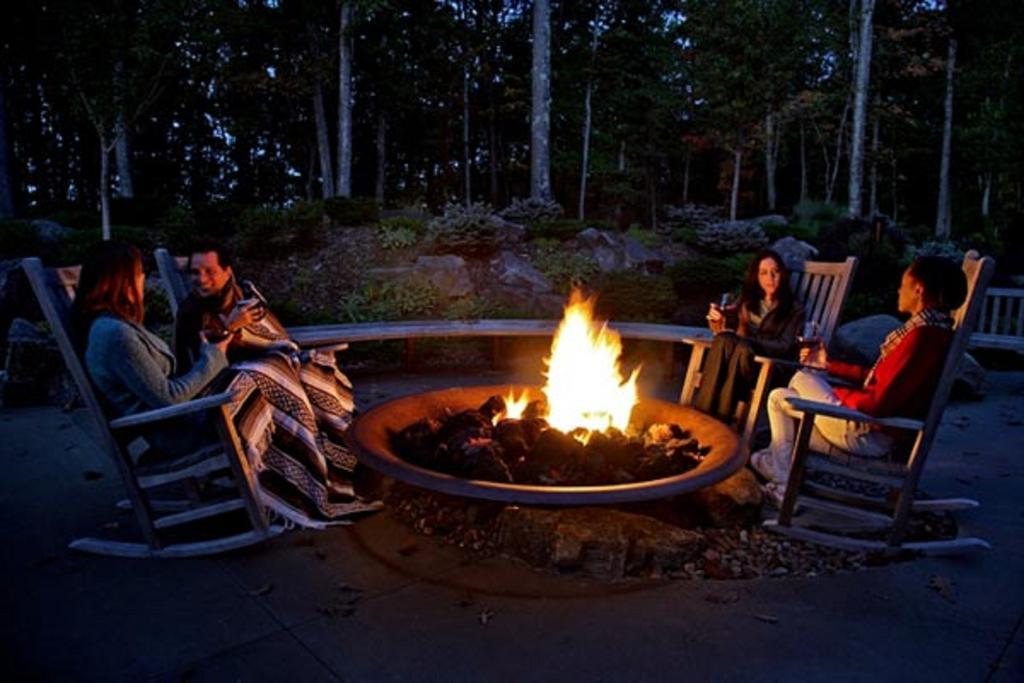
(138, 210)
(262, 232)
(626, 295)
(946, 248)
(414, 225)
(731, 236)
(69, 215)
(467, 230)
(648, 238)
(352, 210)
(218, 218)
(179, 229)
(396, 238)
(563, 229)
(684, 233)
(19, 238)
(529, 210)
(708, 274)
(306, 224)
(77, 245)
(564, 270)
(401, 300)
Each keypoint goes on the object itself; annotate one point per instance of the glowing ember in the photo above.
(514, 407)
(585, 387)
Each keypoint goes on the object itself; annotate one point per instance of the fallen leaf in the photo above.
(485, 616)
(767, 618)
(262, 590)
(944, 586)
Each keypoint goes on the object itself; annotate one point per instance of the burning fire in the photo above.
(585, 387)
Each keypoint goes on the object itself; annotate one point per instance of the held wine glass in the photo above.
(810, 338)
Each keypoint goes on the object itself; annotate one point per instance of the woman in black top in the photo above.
(765, 323)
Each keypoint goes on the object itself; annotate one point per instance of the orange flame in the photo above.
(585, 387)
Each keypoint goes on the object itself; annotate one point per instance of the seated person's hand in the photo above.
(245, 313)
(221, 343)
(815, 357)
(716, 321)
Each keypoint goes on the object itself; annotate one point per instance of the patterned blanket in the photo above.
(291, 411)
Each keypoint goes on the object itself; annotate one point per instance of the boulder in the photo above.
(597, 541)
(592, 238)
(508, 233)
(772, 220)
(16, 298)
(859, 341)
(514, 271)
(794, 252)
(641, 258)
(448, 273)
(970, 380)
(736, 501)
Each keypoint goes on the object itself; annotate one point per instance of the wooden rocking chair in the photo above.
(55, 289)
(822, 288)
(899, 475)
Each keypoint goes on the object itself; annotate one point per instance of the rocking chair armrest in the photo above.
(697, 341)
(177, 410)
(328, 348)
(797, 365)
(844, 413)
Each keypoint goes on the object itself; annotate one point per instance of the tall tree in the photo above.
(323, 133)
(860, 104)
(942, 217)
(540, 118)
(6, 183)
(344, 165)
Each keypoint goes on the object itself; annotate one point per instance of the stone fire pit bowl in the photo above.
(369, 438)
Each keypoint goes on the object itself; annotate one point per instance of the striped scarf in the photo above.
(927, 317)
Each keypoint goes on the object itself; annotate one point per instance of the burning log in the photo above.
(484, 444)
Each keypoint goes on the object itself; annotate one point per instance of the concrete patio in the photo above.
(373, 602)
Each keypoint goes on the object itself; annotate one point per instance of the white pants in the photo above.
(829, 433)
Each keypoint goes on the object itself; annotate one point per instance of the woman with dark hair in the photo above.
(766, 323)
(134, 369)
(899, 384)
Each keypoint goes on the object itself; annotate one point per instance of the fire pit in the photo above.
(587, 394)
(370, 438)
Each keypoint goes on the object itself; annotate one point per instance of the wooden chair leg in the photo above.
(757, 401)
(240, 468)
(796, 471)
(692, 375)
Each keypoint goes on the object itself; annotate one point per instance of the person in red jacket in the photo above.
(899, 384)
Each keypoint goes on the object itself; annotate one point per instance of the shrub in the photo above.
(396, 238)
(626, 295)
(530, 210)
(180, 229)
(352, 210)
(565, 270)
(648, 238)
(731, 236)
(19, 238)
(684, 233)
(465, 229)
(472, 308)
(218, 218)
(414, 225)
(708, 274)
(563, 229)
(944, 248)
(79, 243)
(138, 210)
(398, 300)
(306, 224)
(262, 232)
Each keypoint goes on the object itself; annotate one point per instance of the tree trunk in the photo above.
(860, 104)
(466, 168)
(323, 140)
(622, 156)
(6, 181)
(986, 192)
(874, 166)
(734, 195)
(540, 161)
(686, 176)
(344, 179)
(584, 165)
(803, 163)
(769, 158)
(942, 218)
(382, 139)
(104, 184)
(123, 155)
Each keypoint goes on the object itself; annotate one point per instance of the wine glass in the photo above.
(810, 338)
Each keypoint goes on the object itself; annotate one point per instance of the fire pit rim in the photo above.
(389, 463)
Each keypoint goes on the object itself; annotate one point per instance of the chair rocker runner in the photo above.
(900, 477)
(822, 288)
(55, 289)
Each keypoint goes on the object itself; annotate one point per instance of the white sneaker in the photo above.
(763, 463)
